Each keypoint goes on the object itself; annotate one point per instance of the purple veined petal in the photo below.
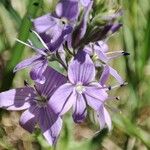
(27, 62)
(101, 117)
(43, 23)
(55, 131)
(103, 46)
(115, 74)
(67, 9)
(81, 29)
(95, 96)
(54, 79)
(104, 118)
(79, 109)
(101, 55)
(81, 69)
(52, 34)
(63, 99)
(17, 99)
(85, 3)
(28, 118)
(37, 71)
(104, 76)
(53, 46)
(107, 118)
(50, 124)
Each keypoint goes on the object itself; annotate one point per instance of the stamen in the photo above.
(126, 53)
(31, 46)
(113, 98)
(116, 54)
(23, 43)
(116, 86)
(80, 88)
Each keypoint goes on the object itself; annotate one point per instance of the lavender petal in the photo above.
(67, 9)
(104, 118)
(53, 79)
(28, 119)
(63, 99)
(79, 109)
(115, 74)
(104, 76)
(43, 23)
(50, 124)
(16, 99)
(95, 96)
(81, 69)
(28, 62)
(37, 71)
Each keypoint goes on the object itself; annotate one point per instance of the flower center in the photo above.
(80, 88)
(64, 20)
(41, 100)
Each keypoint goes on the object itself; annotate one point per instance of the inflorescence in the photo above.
(80, 47)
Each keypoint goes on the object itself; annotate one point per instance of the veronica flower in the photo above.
(81, 91)
(39, 62)
(35, 102)
(54, 28)
(99, 51)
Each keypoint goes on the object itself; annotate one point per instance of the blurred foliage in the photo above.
(131, 129)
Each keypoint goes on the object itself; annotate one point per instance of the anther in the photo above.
(125, 53)
(125, 83)
(117, 98)
(109, 88)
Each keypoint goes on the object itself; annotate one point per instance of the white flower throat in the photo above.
(79, 88)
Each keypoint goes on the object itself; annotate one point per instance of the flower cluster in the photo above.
(81, 50)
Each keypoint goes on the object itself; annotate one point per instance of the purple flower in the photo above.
(35, 100)
(81, 91)
(39, 62)
(99, 51)
(54, 28)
